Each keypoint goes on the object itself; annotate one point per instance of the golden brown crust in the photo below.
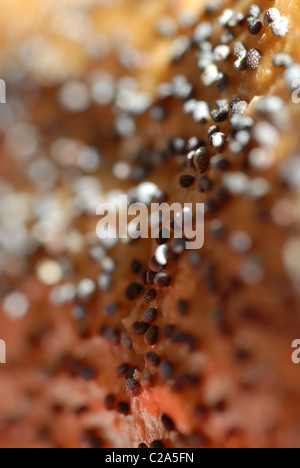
(241, 323)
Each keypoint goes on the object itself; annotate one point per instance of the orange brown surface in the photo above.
(236, 385)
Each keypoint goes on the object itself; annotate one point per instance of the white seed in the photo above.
(16, 305)
(49, 272)
(280, 27)
(161, 255)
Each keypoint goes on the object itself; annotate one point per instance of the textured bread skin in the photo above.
(247, 392)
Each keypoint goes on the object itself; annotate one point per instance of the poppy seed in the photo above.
(140, 328)
(162, 280)
(142, 446)
(132, 388)
(204, 184)
(201, 159)
(149, 296)
(186, 181)
(109, 402)
(157, 444)
(151, 336)
(149, 277)
(271, 15)
(166, 370)
(152, 359)
(150, 315)
(167, 423)
(122, 370)
(133, 291)
(123, 408)
(253, 59)
(254, 26)
(135, 266)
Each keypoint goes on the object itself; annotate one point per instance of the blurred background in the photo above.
(80, 77)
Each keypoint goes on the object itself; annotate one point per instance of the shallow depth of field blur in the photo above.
(78, 75)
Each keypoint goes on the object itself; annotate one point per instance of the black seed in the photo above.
(178, 246)
(132, 388)
(185, 338)
(133, 291)
(204, 184)
(194, 260)
(271, 15)
(241, 63)
(221, 112)
(163, 237)
(126, 340)
(155, 266)
(135, 266)
(201, 159)
(157, 113)
(238, 107)
(253, 59)
(150, 315)
(149, 296)
(149, 277)
(194, 143)
(122, 370)
(151, 336)
(186, 181)
(142, 446)
(219, 116)
(182, 307)
(234, 102)
(157, 444)
(185, 381)
(112, 335)
(178, 146)
(242, 355)
(172, 257)
(84, 371)
(102, 331)
(112, 308)
(168, 423)
(211, 207)
(220, 163)
(81, 410)
(201, 411)
(140, 328)
(92, 438)
(109, 402)
(168, 331)
(162, 280)
(130, 372)
(166, 370)
(221, 406)
(152, 359)
(217, 230)
(222, 82)
(123, 408)
(213, 129)
(222, 195)
(57, 408)
(255, 26)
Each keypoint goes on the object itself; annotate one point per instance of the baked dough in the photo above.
(227, 321)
